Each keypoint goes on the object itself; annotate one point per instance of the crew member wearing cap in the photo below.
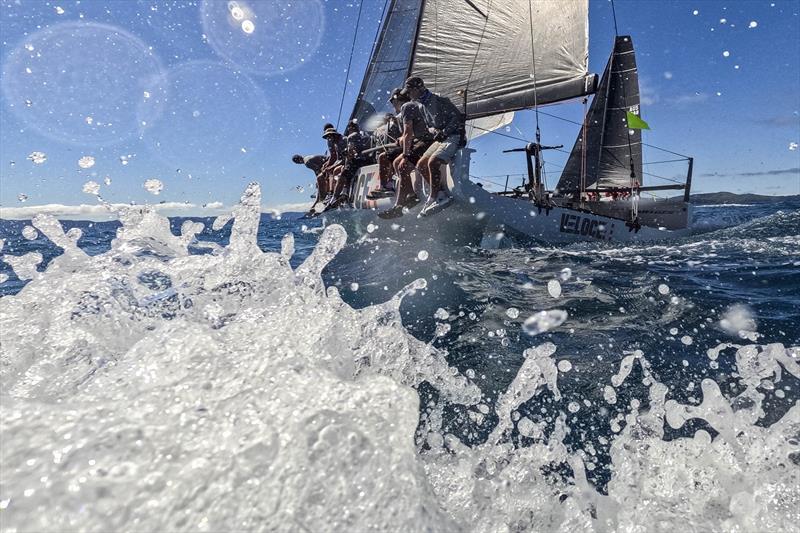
(314, 163)
(389, 133)
(415, 141)
(446, 124)
(356, 141)
(337, 150)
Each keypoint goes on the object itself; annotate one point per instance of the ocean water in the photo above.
(247, 373)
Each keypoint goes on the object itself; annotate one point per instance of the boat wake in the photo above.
(148, 388)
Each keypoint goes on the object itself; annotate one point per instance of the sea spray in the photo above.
(149, 389)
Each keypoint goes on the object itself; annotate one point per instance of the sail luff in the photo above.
(389, 65)
(375, 51)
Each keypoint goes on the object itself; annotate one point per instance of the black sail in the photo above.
(390, 62)
(606, 146)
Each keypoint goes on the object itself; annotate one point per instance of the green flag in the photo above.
(636, 123)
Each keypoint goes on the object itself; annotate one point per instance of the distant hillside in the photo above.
(713, 198)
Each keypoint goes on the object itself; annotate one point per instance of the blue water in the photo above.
(746, 255)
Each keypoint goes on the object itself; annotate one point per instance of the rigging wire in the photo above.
(494, 132)
(477, 51)
(614, 13)
(350, 62)
(533, 63)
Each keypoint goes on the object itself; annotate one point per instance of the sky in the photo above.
(116, 94)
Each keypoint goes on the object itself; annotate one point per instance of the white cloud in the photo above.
(288, 208)
(109, 211)
(647, 93)
(102, 211)
(688, 99)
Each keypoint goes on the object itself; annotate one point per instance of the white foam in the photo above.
(146, 388)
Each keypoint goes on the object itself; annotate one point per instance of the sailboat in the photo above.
(494, 58)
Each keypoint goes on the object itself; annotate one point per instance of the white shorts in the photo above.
(444, 150)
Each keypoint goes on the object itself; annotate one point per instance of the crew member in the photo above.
(446, 124)
(315, 164)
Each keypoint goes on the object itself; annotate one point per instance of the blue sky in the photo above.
(714, 85)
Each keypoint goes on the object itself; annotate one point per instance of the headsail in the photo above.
(610, 144)
(390, 61)
(485, 48)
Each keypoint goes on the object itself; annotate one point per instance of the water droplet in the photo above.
(512, 312)
(248, 27)
(422, 255)
(544, 321)
(726, 53)
(354, 287)
(86, 161)
(153, 186)
(687, 340)
(37, 157)
(30, 233)
(663, 289)
(752, 24)
(554, 288)
(91, 187)
(564, 366)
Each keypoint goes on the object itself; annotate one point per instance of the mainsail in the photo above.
(484, 48)
(610, 146)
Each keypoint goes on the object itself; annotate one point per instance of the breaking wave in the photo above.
(147, 388)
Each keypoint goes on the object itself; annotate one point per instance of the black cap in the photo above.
(328, 126)
(414, 82)
(330, 131)
(398, 94)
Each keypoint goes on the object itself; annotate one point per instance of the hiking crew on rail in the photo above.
(432, 133)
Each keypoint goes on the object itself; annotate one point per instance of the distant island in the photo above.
(717, 198)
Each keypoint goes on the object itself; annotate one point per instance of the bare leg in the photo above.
(332, 175)
(424, 169)
(338, 181)
(435, 175)
(404, 188)
(384, 170)
(322, 190)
